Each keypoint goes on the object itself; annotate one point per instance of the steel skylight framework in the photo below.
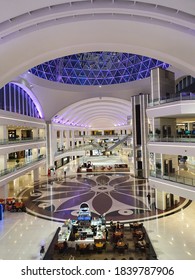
(97, 68)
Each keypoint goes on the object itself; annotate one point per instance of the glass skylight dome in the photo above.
(97, 68)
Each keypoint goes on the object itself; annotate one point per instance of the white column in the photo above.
(3, 162)
(73, 140)
(36, 175)
(18, 132)
(63, 138)
(42, 132)
(51, 144)
(4, 191)
(160, 200)
(60, 141)
(35, 153)
(3, 132)
(43, 171)
(190, 126)
(35, 133)
(67, 139)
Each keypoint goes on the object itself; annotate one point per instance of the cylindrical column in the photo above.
(3, 132)
(36, 175)
(4, 192)
(50, 152)
(3, 162)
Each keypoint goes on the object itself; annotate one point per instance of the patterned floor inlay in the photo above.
(117, 196)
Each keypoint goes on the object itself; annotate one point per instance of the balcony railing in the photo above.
(172, 98)
(20, 166)
(20, 140)
(181, 139)
(79, 148)
(119, 136)
(174, 178)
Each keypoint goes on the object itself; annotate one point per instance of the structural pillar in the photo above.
(36, 175)
(4, 191)
(140, 135)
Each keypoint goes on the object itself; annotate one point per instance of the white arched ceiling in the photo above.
(95, 113)
(32, 32)
(37, 31)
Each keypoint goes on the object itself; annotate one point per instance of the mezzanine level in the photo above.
(21, 140)
(20, 169)
(172, 98)
(183, 177)
(177, 139)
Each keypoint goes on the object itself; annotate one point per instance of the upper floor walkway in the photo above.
(15, 170)
(21, 140)
(172, 98)
(176, 139)
(182, 177)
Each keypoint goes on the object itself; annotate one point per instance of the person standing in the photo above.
(64, 174)
(149, 198)
(42, 252)
(106, 232)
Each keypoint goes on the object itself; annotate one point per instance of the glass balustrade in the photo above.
(185, 180)
(79, 148)
(181, 139)
(20, 166)
(172, 98)
(20, 140)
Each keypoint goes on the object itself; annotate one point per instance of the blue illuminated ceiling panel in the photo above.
(97, 68)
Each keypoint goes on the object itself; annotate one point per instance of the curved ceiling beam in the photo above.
(172, 42)
(83, 117)
(117, 119)
(94, 110)
(101, 122)
(82, 113)
(85, 104)
(37, 19)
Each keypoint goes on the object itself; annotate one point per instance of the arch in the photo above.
(90, 111)
(162, 32)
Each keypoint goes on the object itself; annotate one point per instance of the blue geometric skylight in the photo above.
(97, 68)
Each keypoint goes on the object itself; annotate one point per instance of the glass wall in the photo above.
(15, 99)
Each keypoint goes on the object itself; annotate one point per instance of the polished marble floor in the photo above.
(117, 195)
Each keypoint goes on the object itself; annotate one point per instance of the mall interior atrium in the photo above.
(97, 107)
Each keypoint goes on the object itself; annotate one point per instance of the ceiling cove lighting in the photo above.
(97, 68)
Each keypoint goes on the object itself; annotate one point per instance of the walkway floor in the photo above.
(118, 196)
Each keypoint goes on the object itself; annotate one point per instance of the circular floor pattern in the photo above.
(117, 196)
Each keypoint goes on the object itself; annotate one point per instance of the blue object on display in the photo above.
(84, 218)
(1, 212)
